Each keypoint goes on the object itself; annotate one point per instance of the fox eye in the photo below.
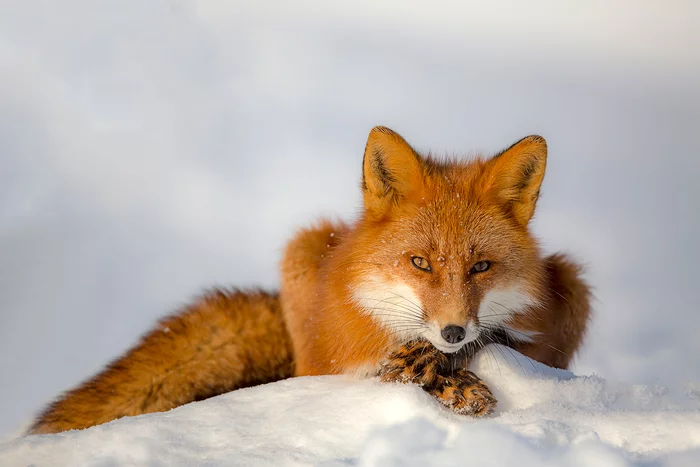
(421, 263)
(481, 266)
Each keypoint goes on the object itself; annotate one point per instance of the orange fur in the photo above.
(336, 312)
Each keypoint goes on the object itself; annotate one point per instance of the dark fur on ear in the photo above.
(391, 172)
(515, 176)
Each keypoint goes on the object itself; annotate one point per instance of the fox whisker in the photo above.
(513, 312)
(408, 309)
(388, 312)
(417, 307)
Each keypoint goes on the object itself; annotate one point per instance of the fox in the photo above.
(440, 262)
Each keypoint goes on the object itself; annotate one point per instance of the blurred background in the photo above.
(149, 150)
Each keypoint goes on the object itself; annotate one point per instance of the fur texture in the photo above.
(224, 341)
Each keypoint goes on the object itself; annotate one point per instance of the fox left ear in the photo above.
(516, 175)
(391, 172)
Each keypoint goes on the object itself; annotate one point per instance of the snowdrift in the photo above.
(545, 417)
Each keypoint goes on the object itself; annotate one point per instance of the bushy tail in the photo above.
(226, 340)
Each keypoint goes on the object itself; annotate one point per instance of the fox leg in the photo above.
(224, 341)
(449, 382)
(560, 324)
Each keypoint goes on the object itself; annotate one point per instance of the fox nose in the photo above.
(453, 334)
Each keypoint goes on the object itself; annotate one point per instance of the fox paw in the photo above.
(417, 362)
(420, 363)
(464, 393)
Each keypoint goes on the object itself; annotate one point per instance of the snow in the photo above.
(544, 417)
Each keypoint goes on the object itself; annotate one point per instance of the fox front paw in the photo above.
(420, 363)
(464, 393)
(416, 362)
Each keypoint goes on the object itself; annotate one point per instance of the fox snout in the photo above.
(453, 334)
(450, 337)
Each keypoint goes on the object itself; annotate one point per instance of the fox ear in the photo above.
(516, 175)
(391, 171)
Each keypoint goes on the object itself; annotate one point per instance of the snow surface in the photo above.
(544, 417)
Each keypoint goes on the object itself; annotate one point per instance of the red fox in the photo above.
(439, 263)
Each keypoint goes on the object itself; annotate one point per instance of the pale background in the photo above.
(151, 149)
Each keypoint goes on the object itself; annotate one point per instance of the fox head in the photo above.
(442, 250)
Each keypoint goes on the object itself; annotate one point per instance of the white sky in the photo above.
(151, 149)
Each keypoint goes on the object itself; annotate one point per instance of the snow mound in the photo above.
(545, 417)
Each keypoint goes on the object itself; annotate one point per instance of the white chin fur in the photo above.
(451, 349)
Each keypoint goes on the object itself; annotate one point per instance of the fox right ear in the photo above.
(516, 175)
(391, 171)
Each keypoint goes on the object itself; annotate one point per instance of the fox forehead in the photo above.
(455, 225)
(455, 214)
(467, 177)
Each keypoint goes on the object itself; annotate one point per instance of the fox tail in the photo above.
(225, 340)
